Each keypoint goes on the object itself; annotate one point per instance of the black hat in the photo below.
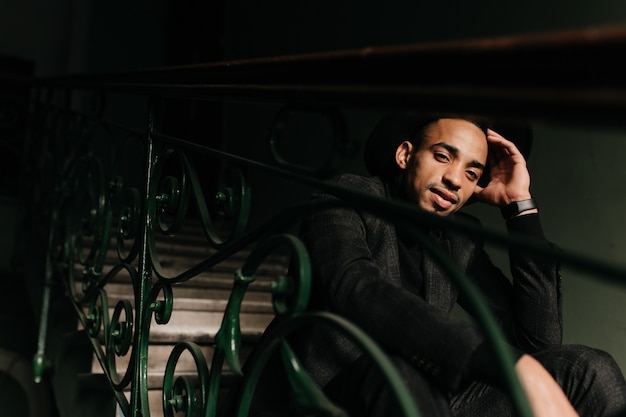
(395, 127)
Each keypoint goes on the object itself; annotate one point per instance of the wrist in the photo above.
(512, 198)
(517, 208)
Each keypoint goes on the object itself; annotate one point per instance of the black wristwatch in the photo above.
(517, 207)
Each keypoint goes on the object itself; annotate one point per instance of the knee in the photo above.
(597, 363)
(592, 380)
(581, 364)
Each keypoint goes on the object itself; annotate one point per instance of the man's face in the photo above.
(442, 174)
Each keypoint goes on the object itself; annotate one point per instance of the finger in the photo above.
(497, 152)
(496, 138)
(493, 133)
(480, 194)
(501, 145)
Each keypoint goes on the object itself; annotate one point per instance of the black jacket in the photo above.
(356, 270)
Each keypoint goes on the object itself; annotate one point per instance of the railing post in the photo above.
(139, 391)
(40, 362)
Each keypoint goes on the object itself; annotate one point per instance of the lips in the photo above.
(444, 198)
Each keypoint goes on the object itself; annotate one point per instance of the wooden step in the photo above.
(201, 327)
(185, 366)
(189, 247)
(158, 355)
(200, 298)
(155, 401)
(199, 305)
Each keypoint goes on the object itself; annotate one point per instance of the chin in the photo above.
(447, 212)
(440, 212)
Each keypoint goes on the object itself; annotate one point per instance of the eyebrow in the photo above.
(455, 151)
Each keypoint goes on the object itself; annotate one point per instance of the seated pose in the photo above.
(370, 272)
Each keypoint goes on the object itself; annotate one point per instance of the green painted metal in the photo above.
(340, 148)
(181, 394)
(309, 396)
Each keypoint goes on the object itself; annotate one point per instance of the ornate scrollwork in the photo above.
(232, 201)
(170, 199)
(170, 190)
(119, 341)
(129, 224)
(126, 188)
(309, 398)
(162, 309)
(88, 230)
(338, 146)
(97, 316)
(182, 394)
(290, 295)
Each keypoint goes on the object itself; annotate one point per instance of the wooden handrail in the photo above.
(573, 76)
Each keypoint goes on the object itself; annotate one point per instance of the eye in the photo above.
(441, 157)
(473, 175)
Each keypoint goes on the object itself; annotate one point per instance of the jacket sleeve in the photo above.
(354, 274)
(528, 305)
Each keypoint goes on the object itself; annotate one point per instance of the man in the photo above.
(379, 278)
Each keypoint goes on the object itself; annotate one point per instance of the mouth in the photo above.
(443, 198)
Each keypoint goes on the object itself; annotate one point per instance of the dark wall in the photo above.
(73, 36)
(254, 28)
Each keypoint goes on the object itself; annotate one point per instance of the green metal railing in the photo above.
(114, 192)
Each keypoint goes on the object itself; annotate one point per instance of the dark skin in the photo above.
(510, 180)
(442, 173)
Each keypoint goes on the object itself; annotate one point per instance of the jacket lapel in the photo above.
(439, 289)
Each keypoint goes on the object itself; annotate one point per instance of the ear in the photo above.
(403, 154)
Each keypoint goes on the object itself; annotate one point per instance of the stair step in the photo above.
(201, 326)
(200, 298)
(213, 279)
(257, 306)
(189, 247)
(221, 275)
(199, 305)
(173, 264)
(158, 356)
(94, 398)
(155, 402)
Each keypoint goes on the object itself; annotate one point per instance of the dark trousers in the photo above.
(590, 378)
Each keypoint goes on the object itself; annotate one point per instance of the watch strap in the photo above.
(517, 207)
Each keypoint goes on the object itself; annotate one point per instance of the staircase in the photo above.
(198, 309)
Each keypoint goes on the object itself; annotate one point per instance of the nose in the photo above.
(452, 177)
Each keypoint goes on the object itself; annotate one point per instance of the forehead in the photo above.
(464, 135)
